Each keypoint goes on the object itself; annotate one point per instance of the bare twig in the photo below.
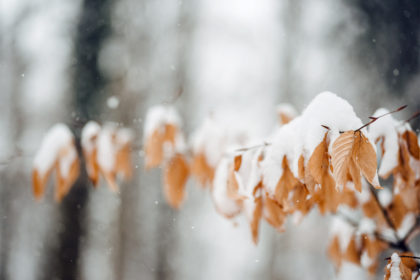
(373, 119)
(265, 144)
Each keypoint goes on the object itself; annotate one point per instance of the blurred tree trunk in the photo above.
(88, 84)
(16, 66)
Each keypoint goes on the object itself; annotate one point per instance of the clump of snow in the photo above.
(365, 260)
(386, 127)
(89, 132)
(158, 116)
(367, 226)
(58, 137)
(223, 203)
(395, 267)
(106, 148)
(303, 134)
(385, 197)
(287, 109)
(329, 110)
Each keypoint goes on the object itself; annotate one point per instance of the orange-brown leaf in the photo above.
(412, 143)
(155, 143)
(274, 213)
(341, 156)
(285, 184)
(202, 170)
(123, 162)
(176, 176)
(256, 217)
(364, 156)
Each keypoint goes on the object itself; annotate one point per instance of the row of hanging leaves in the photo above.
(331, 176)
(106, 152)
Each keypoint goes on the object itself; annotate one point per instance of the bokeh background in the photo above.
(108, 60)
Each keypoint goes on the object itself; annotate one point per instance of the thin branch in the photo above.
(265, 144)
(415, 115)
(373, 119)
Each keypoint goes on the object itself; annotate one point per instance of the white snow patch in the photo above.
(365, 260)
(395, 267)
(407, 223)
(158, 116)
(89, 132)
(58, 137)
(385, 197)
(386, 127)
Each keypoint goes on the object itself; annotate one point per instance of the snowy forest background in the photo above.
(107, 60)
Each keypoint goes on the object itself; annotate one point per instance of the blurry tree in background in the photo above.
(73, 61)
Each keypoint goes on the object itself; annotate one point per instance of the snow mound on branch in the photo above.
(57, 137)
(303, 134)
(386, 127)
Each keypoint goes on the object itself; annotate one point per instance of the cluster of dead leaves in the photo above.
(161, 151)
(402, 208)
(331, 176)
(105, 150)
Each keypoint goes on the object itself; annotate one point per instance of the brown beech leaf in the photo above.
(351, 154)
(65, 182)
(341, 156)
(404, 169)
(123, 161)
(352, 253)
(256, 217)
(202, 170)
(334, 251)
(412, 143)
(39, 182)
(92, 166)
(299, 199)
(364, 156)
(273, 212)
(372, 248)
(397, 210)
(155, 144)
(175, 176)
(285, 184)
(318, 166)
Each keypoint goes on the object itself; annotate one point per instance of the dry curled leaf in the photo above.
(351, 154)
(202, 170)
(175, 177)
(412, 143)
(155, 144)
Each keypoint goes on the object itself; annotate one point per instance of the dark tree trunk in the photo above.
(88, 82)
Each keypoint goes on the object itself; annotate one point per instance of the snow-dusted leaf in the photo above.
(351, 154)
(57, 152)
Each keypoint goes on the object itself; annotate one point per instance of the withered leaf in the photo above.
(175, 177)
